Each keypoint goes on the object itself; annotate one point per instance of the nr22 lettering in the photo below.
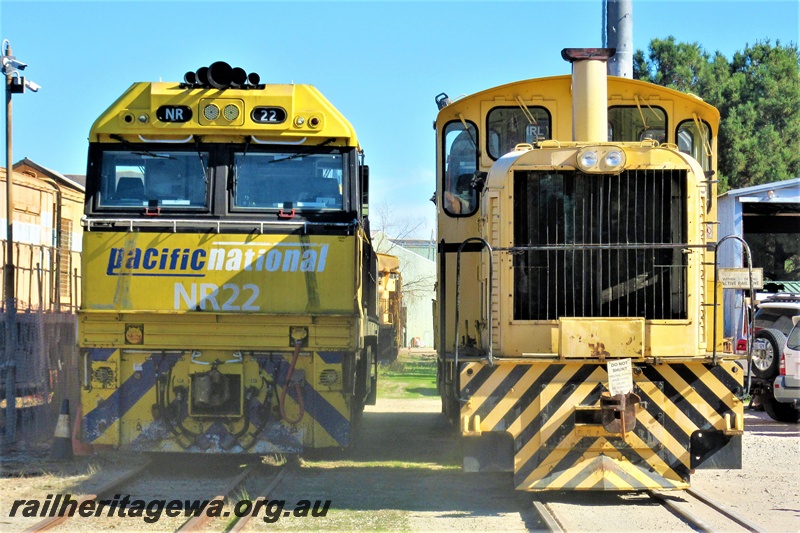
(208, 296)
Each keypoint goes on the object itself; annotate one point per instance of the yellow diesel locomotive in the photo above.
(574, 313)
(230, 303)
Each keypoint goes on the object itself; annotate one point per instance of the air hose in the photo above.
(297, 388)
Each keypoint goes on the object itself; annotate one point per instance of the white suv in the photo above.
(771, 326)
(787, 384)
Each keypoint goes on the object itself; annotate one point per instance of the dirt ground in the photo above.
(404, 475)
(767, 488)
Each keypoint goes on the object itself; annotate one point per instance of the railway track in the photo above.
(107, 488)
(694, 509)
(682, 507)
(185, 484)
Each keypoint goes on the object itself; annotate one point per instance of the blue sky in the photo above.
(381, 63)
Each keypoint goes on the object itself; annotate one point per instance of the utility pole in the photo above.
(10, 436)
(618, 19)
(15, 84)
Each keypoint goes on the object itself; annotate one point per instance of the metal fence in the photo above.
(43, 362)
(45, 368)
(47, 278)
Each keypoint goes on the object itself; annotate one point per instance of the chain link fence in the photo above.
(42, 362)
(45, 370)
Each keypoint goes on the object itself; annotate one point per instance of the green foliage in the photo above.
(680, 66)
(757, 94)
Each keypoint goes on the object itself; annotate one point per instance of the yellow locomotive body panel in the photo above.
(574, 327)
(230, 303)
(176, 273)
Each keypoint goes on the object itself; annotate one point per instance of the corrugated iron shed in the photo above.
(767, 217)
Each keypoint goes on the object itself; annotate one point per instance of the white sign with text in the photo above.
(620, 377)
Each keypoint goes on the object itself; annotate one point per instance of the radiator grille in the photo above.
(600, 245)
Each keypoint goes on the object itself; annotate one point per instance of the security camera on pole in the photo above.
(15, 84)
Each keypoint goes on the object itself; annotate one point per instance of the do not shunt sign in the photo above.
(620, 377)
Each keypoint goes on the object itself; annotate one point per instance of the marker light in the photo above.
(231, 112)
(211, 112)
(587, 159)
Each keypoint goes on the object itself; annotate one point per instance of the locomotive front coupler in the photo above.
(618, 413)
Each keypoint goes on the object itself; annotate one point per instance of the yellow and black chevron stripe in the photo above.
(118, 409)
(688, 413)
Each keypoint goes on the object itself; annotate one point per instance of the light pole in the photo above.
(15, 84)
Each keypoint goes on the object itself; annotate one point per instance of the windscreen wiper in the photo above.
(306, 150)
(200, 155)
(135, 149)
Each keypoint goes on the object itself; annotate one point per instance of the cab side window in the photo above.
(635, 124)
(510, 126)
(460, 164)
(695, 142)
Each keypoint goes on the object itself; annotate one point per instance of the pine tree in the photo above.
(757, 94)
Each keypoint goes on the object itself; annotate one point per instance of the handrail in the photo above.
(598, 246)
(133, 222)
(746, 248)
(486, 245)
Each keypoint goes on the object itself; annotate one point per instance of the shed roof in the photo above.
(789, 191)
(73, 181)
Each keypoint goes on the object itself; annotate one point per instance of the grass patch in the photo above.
(410, 376)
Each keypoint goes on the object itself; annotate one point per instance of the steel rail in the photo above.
(548, 517)
(742, 521)
(106, 488)
(199, 521)
(696, 522)
(680, 512)
(242, 521)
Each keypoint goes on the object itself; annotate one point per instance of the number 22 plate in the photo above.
(268, 115)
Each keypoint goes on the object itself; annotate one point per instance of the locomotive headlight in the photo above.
(221, 112)
(601, 159)
(211, 112)
(231, 112)
(587, 159)
(615, 158)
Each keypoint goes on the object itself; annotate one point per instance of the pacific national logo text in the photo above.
(222, 256)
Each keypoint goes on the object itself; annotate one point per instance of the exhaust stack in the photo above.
(589, 92)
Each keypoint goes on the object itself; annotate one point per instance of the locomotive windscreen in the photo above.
(589, 245)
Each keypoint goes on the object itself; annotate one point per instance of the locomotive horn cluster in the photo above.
(220, 75)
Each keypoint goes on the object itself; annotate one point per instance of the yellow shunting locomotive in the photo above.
(574, 314)
(230, 303)
(392, 312)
